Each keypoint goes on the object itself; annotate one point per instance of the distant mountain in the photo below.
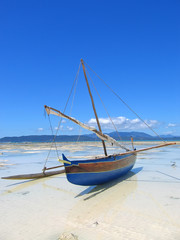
(128, 135)
(137, 136)
(46, 138)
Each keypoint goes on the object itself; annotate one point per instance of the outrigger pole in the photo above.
(92, 101)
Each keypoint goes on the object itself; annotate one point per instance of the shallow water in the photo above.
(142, 205)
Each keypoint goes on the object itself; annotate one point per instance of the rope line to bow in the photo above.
(59, 124)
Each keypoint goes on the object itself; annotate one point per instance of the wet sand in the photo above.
(142, 205)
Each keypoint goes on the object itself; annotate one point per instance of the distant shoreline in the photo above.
(73, 139)
(137, 136)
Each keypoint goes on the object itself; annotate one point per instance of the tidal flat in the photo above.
(142, 205)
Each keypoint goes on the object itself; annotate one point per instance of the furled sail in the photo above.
(102, 136)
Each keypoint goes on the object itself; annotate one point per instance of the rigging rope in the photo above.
(59, 124)
(125, 103)
(79, 134)
(74, 93)
(106, 110)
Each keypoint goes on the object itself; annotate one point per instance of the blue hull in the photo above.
(98, 171)
(88, 179)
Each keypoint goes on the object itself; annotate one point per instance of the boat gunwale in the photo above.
(105, 159)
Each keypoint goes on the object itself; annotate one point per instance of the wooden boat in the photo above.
(98, 170)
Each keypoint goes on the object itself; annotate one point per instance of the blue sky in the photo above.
(133, 45)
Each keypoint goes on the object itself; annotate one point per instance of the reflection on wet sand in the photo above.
(100, 204)
(19, 186)
(95, 190)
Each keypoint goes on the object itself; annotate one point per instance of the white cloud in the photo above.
(60, 128)
(168, 133)
(123, 123)
(70, 128)
(172, 125)
(40, 129)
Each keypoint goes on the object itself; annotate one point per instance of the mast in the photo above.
(92, 101)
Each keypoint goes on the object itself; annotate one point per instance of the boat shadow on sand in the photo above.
(98, 189)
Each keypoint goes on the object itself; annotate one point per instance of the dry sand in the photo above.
(143, 205)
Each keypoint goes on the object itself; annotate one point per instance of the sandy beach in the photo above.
(145, 204)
